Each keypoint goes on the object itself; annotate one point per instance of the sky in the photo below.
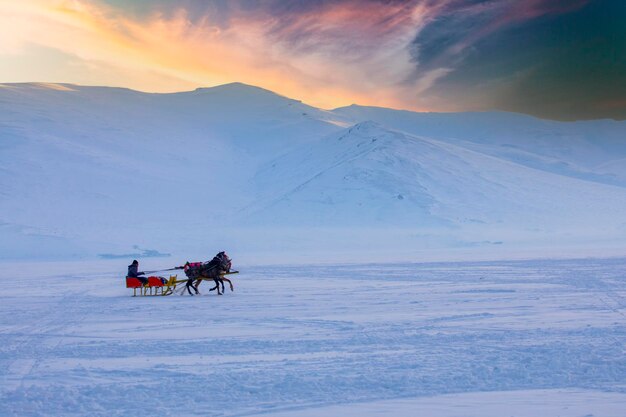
(556, 59)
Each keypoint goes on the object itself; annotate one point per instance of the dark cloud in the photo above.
(562, 60)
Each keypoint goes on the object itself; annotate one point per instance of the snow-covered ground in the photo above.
(489, 339)
(116, 174)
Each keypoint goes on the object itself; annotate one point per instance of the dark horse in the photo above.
(214, 269)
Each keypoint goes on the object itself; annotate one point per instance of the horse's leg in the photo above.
(217, 285)
(229, 283)
(189, 284)
(195, 287)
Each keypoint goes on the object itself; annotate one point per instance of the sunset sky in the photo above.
(563, 59)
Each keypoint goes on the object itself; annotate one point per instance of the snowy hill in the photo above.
(418, 192)
(370, 175)
(96, 170)
(576, 149)
(90, 167)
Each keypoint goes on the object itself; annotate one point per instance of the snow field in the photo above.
(442, 339)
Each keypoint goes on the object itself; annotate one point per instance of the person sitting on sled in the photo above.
(133, 272)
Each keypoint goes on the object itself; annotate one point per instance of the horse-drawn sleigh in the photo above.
(196, 272)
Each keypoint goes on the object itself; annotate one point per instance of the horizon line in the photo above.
(48, 85)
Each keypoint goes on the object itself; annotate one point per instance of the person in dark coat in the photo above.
(133, 272)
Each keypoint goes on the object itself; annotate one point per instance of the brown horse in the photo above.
(213, 270)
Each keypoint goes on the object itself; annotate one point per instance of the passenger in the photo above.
(133, 272)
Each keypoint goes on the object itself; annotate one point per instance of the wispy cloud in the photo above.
(456, 26)
(328, 52)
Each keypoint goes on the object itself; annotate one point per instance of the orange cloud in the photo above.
(326, 58)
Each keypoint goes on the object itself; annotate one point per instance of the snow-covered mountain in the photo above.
(584, 149)
(369, 175)
(95, 170)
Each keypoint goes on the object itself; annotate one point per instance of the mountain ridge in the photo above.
(104, 169)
